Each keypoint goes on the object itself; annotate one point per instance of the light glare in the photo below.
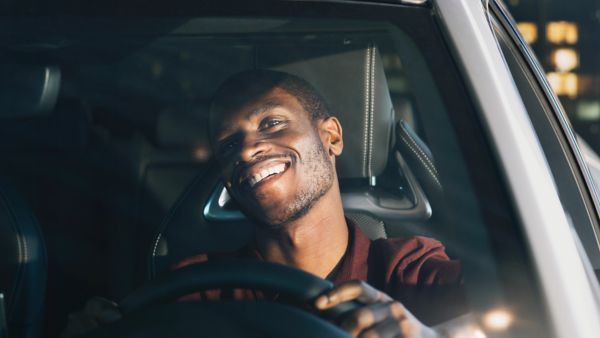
(565, 59)
(558, 32)
(564, 83)
(529, 31)
(498, 320)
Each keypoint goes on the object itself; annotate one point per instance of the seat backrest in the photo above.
(23, 265)
(352, 80)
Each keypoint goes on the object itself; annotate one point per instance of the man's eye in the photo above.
(227, 146)
(270, 123)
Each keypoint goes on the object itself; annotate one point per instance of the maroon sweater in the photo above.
(415, 271)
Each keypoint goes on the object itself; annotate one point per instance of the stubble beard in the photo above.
(320, 169)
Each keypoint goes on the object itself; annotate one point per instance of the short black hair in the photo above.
(244, 87)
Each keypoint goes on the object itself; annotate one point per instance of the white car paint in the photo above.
(573, 309)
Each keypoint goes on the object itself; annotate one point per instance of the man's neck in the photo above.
(314, 243)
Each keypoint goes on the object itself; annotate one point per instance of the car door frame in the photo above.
(567, 290)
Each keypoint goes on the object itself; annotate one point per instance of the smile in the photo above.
(266, 172)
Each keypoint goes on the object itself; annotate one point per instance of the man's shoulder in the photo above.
(403, 251)
(409, 244)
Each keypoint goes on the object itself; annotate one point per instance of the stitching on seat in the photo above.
(431, 172)
(433, 175)
(371, 108)
(410, 138)
(366, 117)
(155, 248)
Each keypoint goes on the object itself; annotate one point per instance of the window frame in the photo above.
(561, 132)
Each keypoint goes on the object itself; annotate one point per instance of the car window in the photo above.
(570, 168)
(127, 133)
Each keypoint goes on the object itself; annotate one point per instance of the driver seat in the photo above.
(351, 78)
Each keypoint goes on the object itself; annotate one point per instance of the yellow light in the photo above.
(564, 83)
(156, 69)
(562, 32)
(570, 84)
(565, 59)
(554, 79)
(529, 31)
(467, 331)
(201, 153)
(498, 320)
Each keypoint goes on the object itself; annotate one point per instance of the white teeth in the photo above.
(276, 169)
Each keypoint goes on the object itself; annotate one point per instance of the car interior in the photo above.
(107, 174)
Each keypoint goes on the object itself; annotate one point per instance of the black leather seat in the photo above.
(23, 265)
(352, 80)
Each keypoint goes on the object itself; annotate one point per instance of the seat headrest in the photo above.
(352, 81)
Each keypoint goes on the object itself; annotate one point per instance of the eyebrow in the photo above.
(264, 107)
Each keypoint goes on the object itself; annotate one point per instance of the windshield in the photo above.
(114, 121)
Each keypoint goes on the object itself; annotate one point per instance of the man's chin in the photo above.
(280, 219)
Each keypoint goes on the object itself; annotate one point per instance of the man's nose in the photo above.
(251, 147)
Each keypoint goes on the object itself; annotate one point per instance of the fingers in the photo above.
(387, 328)
(370, 317)
(352, 290)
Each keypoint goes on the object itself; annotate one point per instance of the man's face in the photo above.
(273, 158)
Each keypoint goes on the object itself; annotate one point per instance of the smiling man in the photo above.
(277, 144)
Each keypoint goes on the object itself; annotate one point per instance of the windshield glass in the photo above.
(114, 119)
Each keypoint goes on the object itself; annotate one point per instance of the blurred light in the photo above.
(498, 320)
(529, 31)
(156, 69)
(468, 331)
(564, 83)
(201, 153)
(184, 55)
(588, 110)
(565, 59)
(514, 2)
(562, 32)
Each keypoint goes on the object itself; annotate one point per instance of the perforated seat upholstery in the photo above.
(23, 265)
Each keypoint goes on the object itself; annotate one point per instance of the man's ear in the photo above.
(330, 130)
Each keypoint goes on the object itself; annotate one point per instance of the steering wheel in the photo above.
(151, 312)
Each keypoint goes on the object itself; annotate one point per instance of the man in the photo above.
(277, 144)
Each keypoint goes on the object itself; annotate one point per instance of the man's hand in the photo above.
(380, 316)
(97, 311)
